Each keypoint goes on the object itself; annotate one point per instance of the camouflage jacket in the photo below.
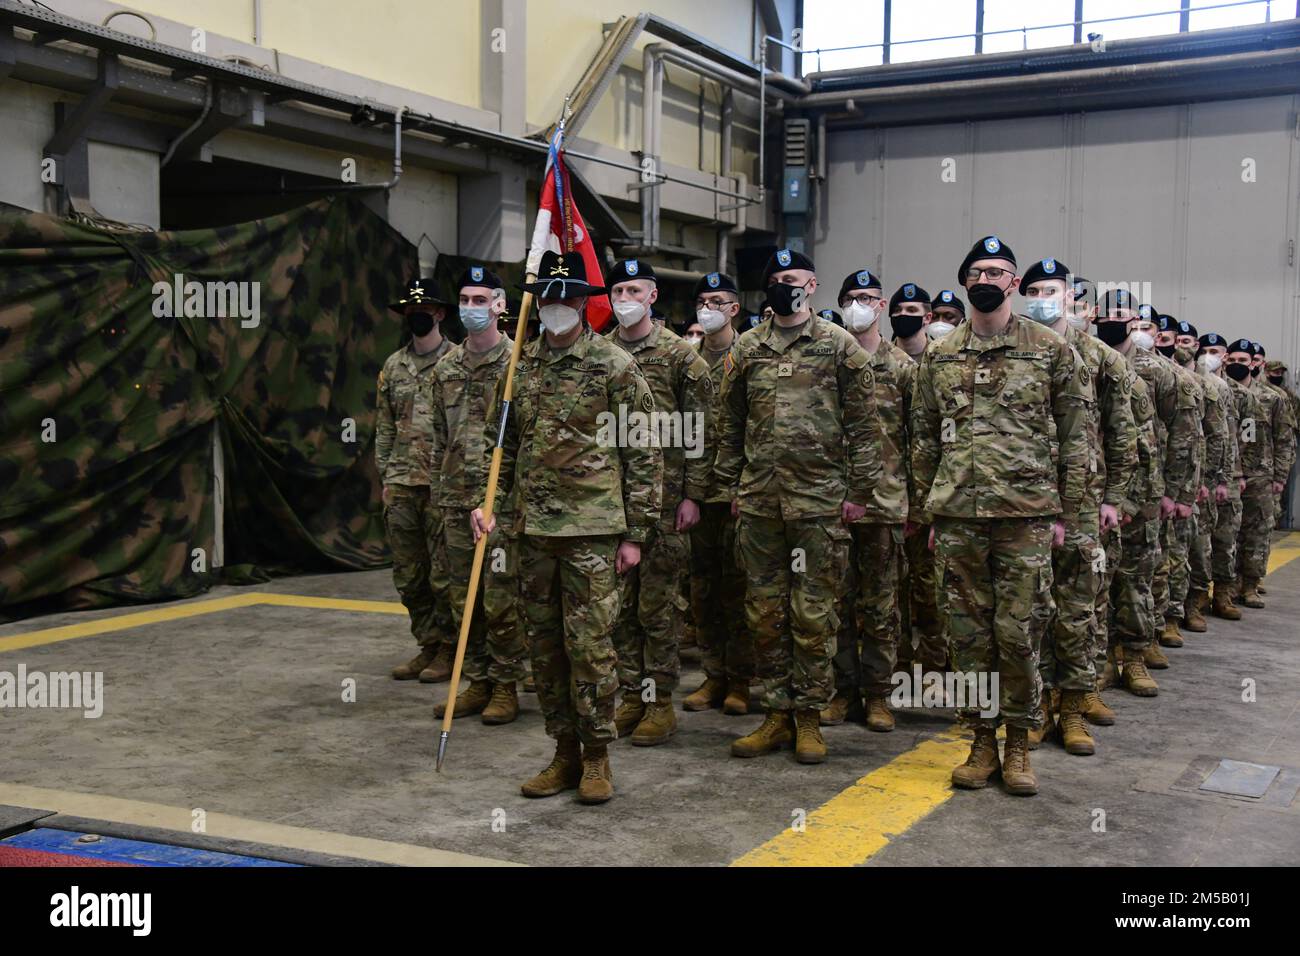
(679, 380)
(1186, 378)
(1254, 437)
(465, 414)
(1288, 410)
(717, 366)
(570, 470)
(1112, 433)
(1220, 443)
(403, 428)
(893, 371)
(798, 432)
(1274, 434)
(1000, 425)
(1148, 484)
(1177, 422)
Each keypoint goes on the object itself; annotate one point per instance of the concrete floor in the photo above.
(240, 712)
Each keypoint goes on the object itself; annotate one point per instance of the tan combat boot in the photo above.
(597, 784)
(1223, 606)
(1137, 680)
(1250, 593)
(411, 669)
(879, 717)
(1074, 729)
(1194, 616)
(1171, 636)
(981, 763)
(776, 730)
(530, 685)
(1096, 711)
(658, 724)
(737, 702)
(563, 773)
(835, 712)
(504, 705)
(629, 713)
(1017, 776)
(1109, 672)
(439, 668)
(709, 695)
(809, 747)
(1051, 701)
(1260, 589)
(471, 700)
(1154, 657)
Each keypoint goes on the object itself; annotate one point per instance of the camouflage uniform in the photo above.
(1289, 407)
(1000, 447)
(654, 602)
(798, 436)
(1169, 588)
(1069, 644)
(717, 579)
(402, 447)
(869, 609)
(1219, 426)
(574, 500)
(463, 398)
(1240, 405)
(1271, 454)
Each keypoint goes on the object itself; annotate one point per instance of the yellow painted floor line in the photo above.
(1284, 552)
(142, 814)
(177, 612)
(858, 823)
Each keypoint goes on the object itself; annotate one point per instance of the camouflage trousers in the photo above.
(868, 610)
(792, 574)
(1171, 581)
(1103, 610)
(995, 596)
(1133, 611)
(1258, 513)
(1200, 562)
(718, 596)
(495, 649)
(652, 614)
(419, 563)
(569, 599)
(922, 638)
(1065, 651)
(1223, 541)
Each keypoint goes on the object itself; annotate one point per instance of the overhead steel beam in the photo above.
(75, 123)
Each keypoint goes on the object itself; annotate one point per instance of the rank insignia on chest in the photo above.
(983, 376)
(785, 370)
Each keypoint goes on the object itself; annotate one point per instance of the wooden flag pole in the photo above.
(480, 548)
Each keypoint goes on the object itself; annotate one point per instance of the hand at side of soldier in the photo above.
(1278, 487)
(1166, 506)
(1202, 494)
(476, 523)
(930, 543)
(1221, 494)
(383, 495)
(1182, 512)
(1109, 515)
(1058, 533)
(1241, 484)
(1126, 520)
(735, 506)
(688, 515)
(849, 512)
(628, 557)
(910, 528)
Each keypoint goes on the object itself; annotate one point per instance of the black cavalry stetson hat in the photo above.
(562, 276)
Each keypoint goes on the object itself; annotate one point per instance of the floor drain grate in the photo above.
(1241, 781)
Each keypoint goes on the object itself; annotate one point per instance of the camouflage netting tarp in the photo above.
(108, 412)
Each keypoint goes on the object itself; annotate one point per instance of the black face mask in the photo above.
(905, 326)
(1255, 371)
(985, 296)
(781, 297)
(420, 323)
(1238, 373)
(1275, 379)
(1166, 350)
(1112, 333)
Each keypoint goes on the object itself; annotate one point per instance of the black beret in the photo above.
(909, 292)
(784, 259)
(830, 315)
(1242, 345)
(715, 282)
(1185, 328)
(862, 279)
(1116, 299)
(479, 276)
(1165, 323)
(990, 247)
(1149, 313)
(625, 270)
(949, 298)
(1212, 339)
(1256, 349)
(1045, 269)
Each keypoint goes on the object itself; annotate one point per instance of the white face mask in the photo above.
(693, 341)
(1142, 340)
(711, 320)
(557, 318)
(629, 312)
(937, 330)
(1080, 322)
(1212, 363)
(859, 317)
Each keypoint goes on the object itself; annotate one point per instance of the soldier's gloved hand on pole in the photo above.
(1109, 516)
(476, 522)
(628, 557)
(1058, 533)
(688, 515)
(849, 512)
(1166, 506)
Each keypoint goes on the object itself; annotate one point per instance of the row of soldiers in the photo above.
(1001, 493)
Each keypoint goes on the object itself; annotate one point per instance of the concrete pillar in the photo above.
(502, 63)
(492, 215)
